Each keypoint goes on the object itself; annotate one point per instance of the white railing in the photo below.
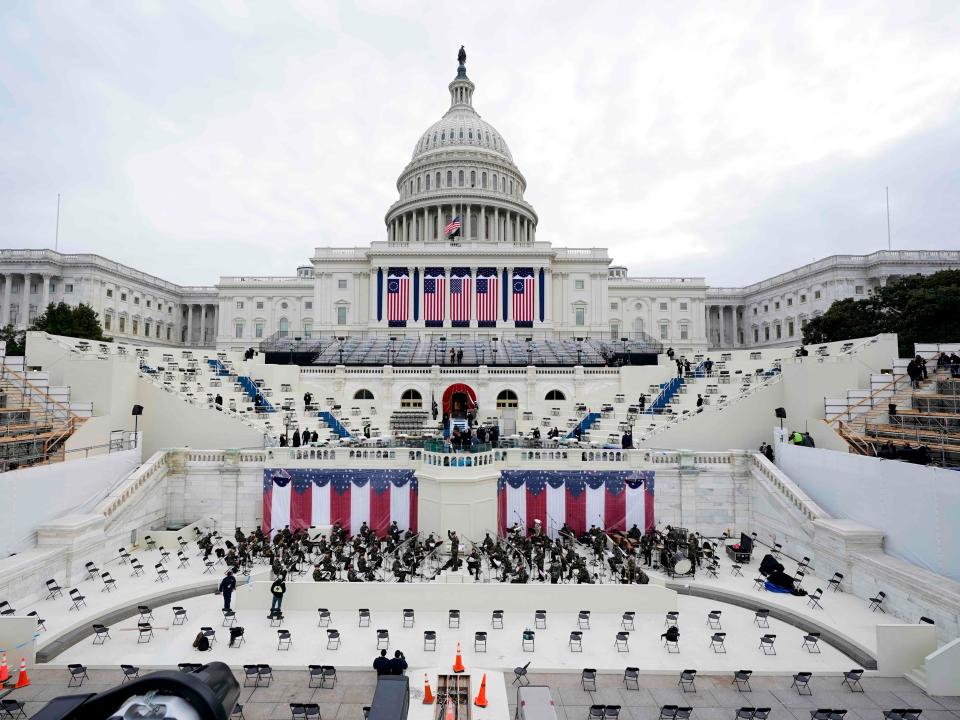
(794, 495)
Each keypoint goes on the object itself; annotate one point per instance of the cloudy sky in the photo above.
(729, 140)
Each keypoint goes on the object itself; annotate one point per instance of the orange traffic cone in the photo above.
(22, 679)
(458, 663)
(4, 670)
(451, 710)
(427, 692)
(481, 699)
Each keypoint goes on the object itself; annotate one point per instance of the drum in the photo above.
(681, 567)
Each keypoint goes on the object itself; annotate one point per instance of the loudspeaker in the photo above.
(137, 410)
(780, 413)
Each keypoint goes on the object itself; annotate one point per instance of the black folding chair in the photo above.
(713, 619)
(761, 618)
(631, 675)
(766, 644)
(851, 679)
(814, 599)
(430, 640)
(480, 641)
(130, 672)
(520, 675)
(835, 581)
(741, 678)
(876, 602)
(811, 642)
(453, 619)
(78, 673)
(801, 681)
(686, 681)
(324, 615)
(668, 712)
(717, 641)
(588, 676)
(315, 675)
(101, 633)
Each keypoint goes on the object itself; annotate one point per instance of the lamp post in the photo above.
(493, 348)
(624, 341)
(529, 351)
(579, 349)
(340, 348)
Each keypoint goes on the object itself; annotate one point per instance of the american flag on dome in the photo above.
(452, 228)
(523, 301)
(434, 284)
(611, 500)
(398, 296)
(304, 498)
(460, 282)
(487, 293)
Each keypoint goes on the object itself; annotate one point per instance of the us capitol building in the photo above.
(494, 277)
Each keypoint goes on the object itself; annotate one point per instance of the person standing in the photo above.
(278, 588)
(227, 586)
(382, 664)
(398, 664)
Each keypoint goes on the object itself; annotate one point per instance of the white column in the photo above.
(466, 223)
(44, 294)
(5, 308)
(189, 325)
(496, 224)
(439, 233)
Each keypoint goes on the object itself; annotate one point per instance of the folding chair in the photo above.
(78, 673)
(210, 566)
(137, 568)
(13, 708)
(761, 713)
(520, 675)
(529, 638)
(333, 639)
(329, 674)
(736, 570)
(713, 619)
(79, 600)
(595, 712)
(496, 620)
(179, 615)
(576, 641)
(144, 633)
(622, 641)
(588, 676)
(151, 545)
(766, 644)
(315, 674)
(801, 681)
(237, 713)
(671, 639)
(40, 620)
(236, 637)
(814, 599)
(453, 619)
(209, 633)
(363, 615)
(430, 640)
(894, 714)
(311, 711)
(264, 672)
(672, 619)
(683, 712)
(162, 574)
(811, 642)
(611, 712)
(741, 678)
(713, 569)
(480, 641)
(53, 590)
(251, 675)
(745, 713)
(164, 555)
(717, 643)
(229, 618)
(820, 714)
(909, 713)
(145, 613)
(924, 620)
(383, 639)
(583, 620)
(686, 681)
(93, 572)
(631, 675)
(851, 679)
(835, 581)
(540, 619)
(324, 616)
(761, 618)
(668, 712)
(837, 714)
(627, 620)
(184, 560)
(759, 582)
(407, 617)
(101, 633)
(876, 602)
(298, 711)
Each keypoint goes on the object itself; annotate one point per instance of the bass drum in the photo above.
(681, 567)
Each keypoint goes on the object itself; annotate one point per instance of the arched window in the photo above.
(363, 395)
(284, 327)
(638, 325)
(418, 183)
(555, 395)
(494, 181)
(461, 133)
(411, 399)
(428, 182)
(503, 184)
(483, 181)
(437, 181)
(507, 399)
(473, 178)
(470, 135)
(461, 178)
(449, 178)
(443, 135)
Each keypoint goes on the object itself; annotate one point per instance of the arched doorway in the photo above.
(458, 399)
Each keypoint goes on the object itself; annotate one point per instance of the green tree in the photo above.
(919, 308)
(13, 339)
(62, 319)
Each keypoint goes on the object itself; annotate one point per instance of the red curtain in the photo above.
(340, 508)
(380, 509)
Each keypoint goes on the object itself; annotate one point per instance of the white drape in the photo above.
(320, 504)
(595, 506)
(556, 509)
(400, 505)
(359, 506)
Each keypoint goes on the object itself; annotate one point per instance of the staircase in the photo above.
(588, 422)
(34, 425)
(667, 391)
(334, 424)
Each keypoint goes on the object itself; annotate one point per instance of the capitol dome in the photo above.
(461, 168)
